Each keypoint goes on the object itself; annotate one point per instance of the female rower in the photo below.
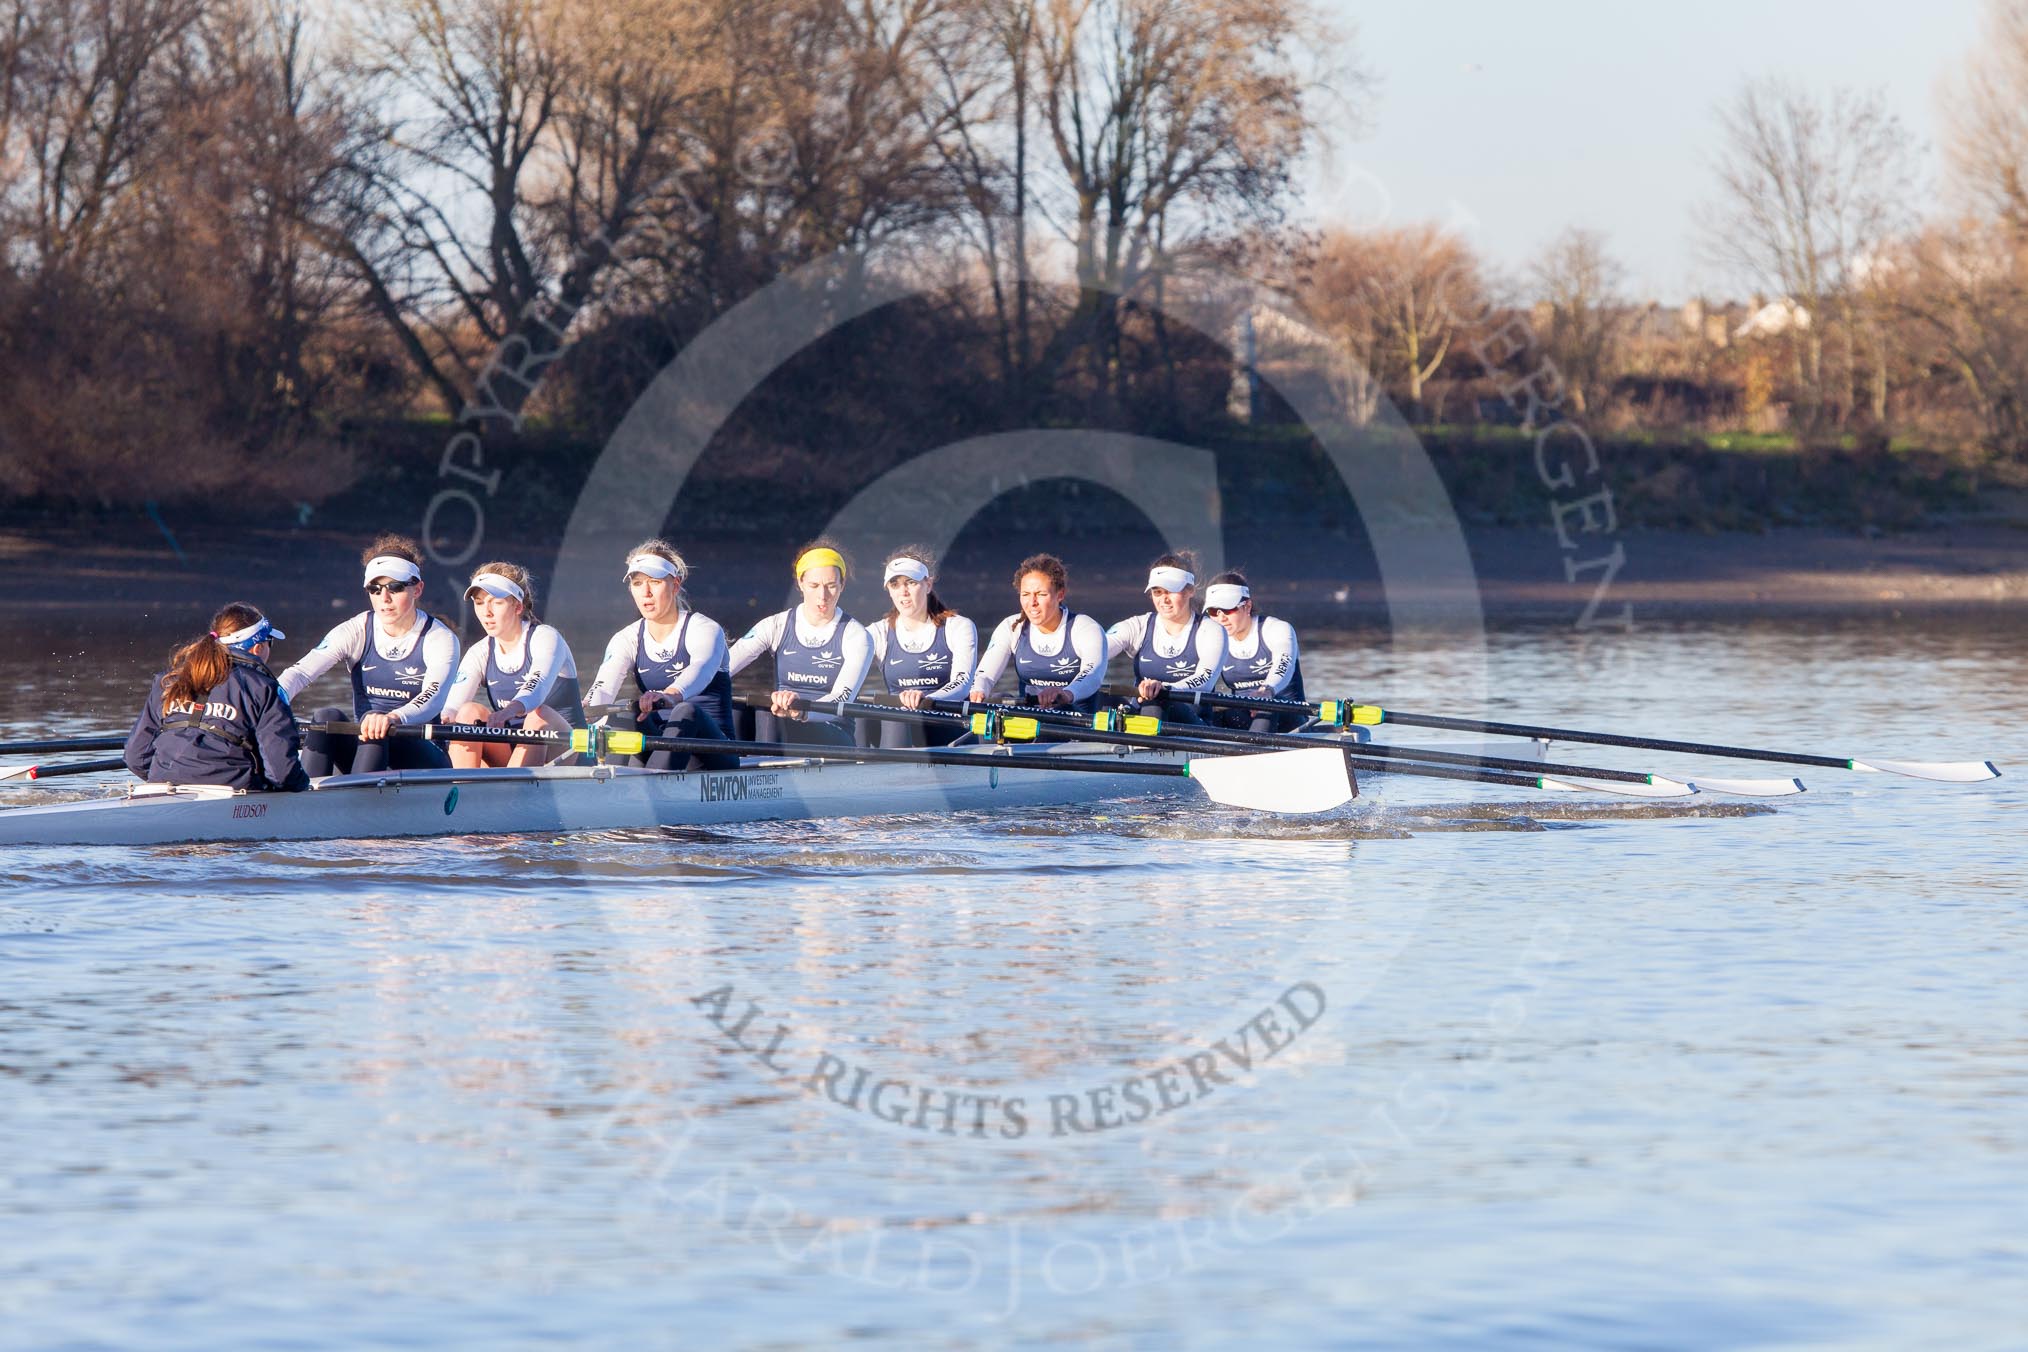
(400, 660)
(522, 676)
(669, 666)
(1059, 655)
(1175, 652)
(926, 650)
(1260, 656)
(820, 652)
(218, 716)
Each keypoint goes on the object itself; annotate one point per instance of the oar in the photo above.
(1338, 713)
(1314, 779)
(61, 746)
(1416, 760)
(1755, 788)
(1020, 723)
(54, 771)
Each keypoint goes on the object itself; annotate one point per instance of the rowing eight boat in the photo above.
(583, 798)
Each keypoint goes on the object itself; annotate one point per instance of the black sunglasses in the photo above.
(376, 588)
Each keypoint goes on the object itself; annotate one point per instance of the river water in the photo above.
(1496, 1073)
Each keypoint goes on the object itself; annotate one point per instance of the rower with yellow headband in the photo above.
(820, 652)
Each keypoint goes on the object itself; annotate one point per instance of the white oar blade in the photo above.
(1661, 788)
(1311, 780)
(1946, 772)
(20, 772)
(1749, 788)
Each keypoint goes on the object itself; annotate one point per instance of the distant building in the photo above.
(1710, 324)
(1774, 319)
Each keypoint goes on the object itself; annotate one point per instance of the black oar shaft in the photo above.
(1212, 700)
(1366, 754)
(1070, 727)
(62, 745)
(1446, 723)
(1355, 756)
(75, 768)
(1609, 739)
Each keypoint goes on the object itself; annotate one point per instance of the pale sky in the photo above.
(1528, 118)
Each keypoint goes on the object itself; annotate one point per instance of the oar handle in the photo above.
(449, 732)
(629, 743)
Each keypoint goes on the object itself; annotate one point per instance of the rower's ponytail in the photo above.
(201, 665)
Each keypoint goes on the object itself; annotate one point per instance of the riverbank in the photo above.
(117, 566)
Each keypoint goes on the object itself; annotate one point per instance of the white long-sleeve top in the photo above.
(540, 655)
(1087, 640)
(1126, 636)
(766, 637)
(346, 643)
(1279, 638)
(960, 632)
(614, 682)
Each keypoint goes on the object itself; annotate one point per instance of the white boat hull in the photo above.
(565, 799)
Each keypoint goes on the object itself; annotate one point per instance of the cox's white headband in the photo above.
(1170, 579)
(392, 567)
(654, 565)
(495, 585)
(1225, 596)
(903, 566)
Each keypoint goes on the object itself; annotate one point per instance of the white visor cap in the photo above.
(495, 585)
(392, 567)
(653, 565)
(1225, 596)
(913, 569)
(1170, 579)
(260, 631)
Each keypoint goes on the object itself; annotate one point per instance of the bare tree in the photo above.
(1580, 283)
(20, 34)
(1809, 190)
(987, 85)
(513, 142)
(1168, 118)
(1402, 298)
(1986, 118)
(84, 123)
(1965, 288)
(169, 152)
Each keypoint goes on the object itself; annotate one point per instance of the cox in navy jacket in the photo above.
(241, 735)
